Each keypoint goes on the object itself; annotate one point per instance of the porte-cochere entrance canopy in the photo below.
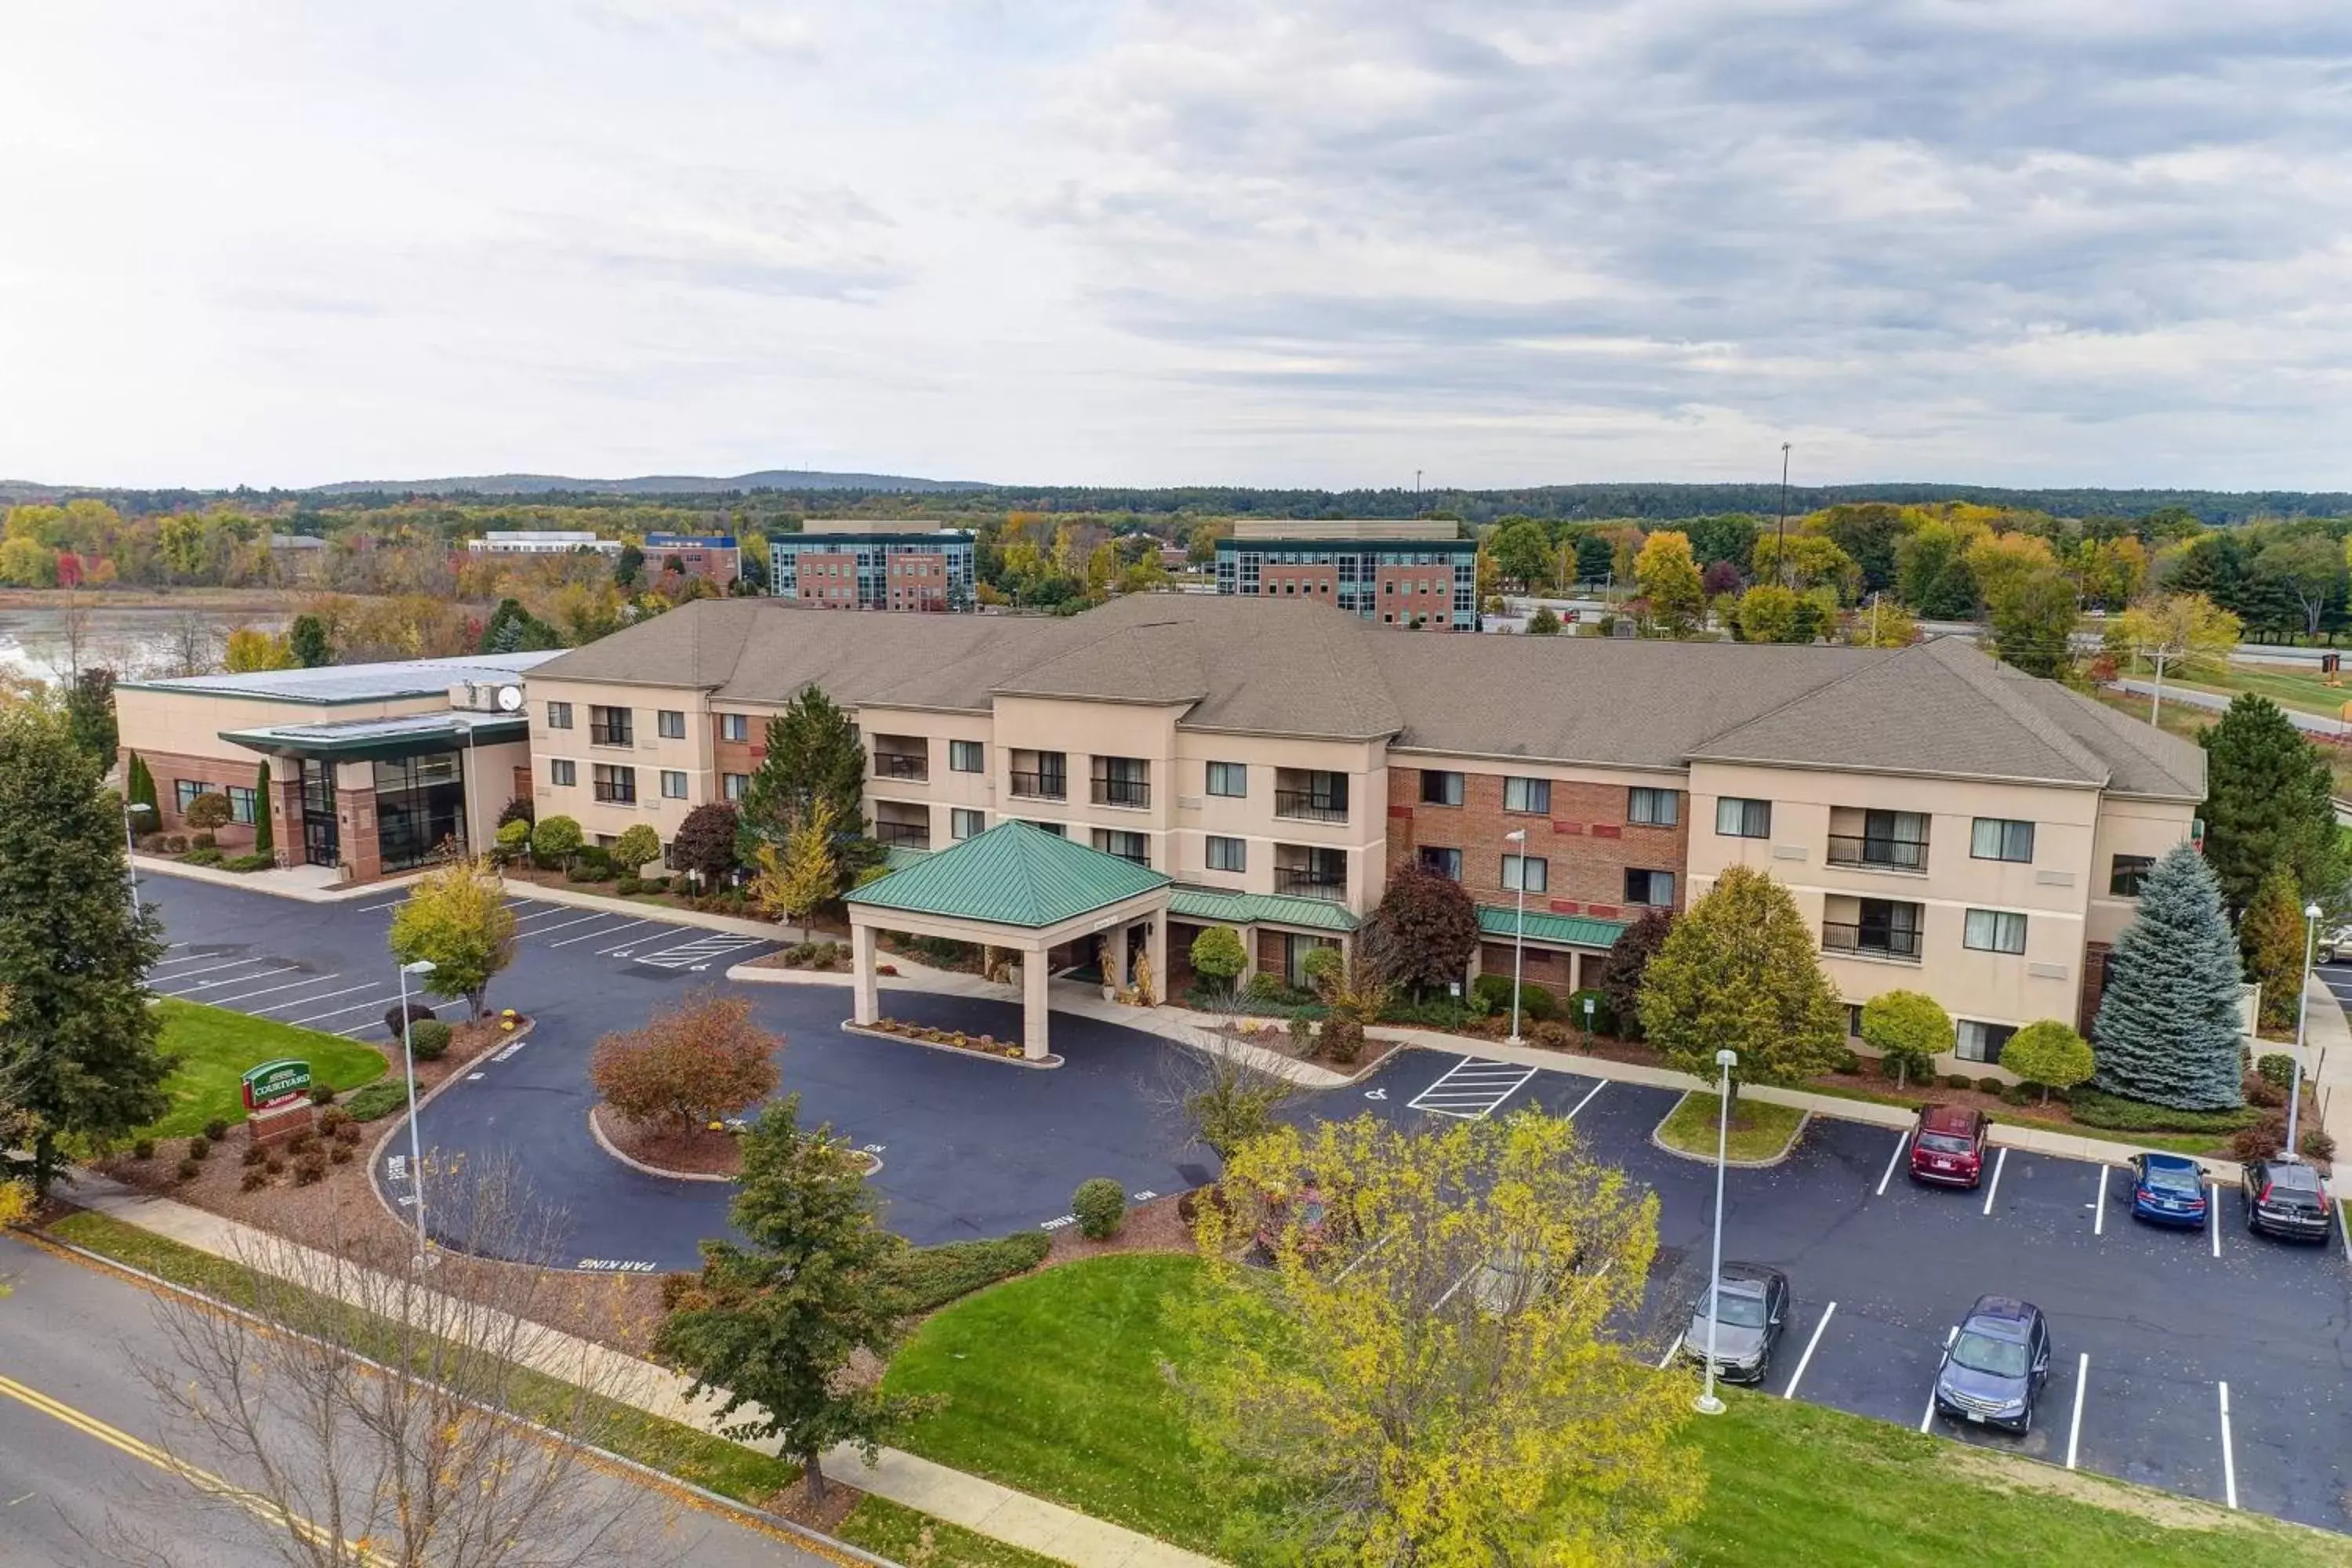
(1019, 888)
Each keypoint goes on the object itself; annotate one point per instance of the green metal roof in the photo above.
(1577, 930)
(1249, 908)
(360, 740)
(1012, 875)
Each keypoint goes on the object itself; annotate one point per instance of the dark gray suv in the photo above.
(1995, 1365)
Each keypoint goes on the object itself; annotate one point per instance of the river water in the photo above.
(135, 642)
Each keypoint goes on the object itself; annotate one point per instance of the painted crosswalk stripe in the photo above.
(698, 952)
(1472, 1089)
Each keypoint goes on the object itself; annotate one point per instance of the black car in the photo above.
(2286, 1197)
(1995, 1364)
(1754, 1309)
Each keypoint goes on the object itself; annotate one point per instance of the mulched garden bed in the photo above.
(1276, 1038)
(1152, 1225)
(694, 1152)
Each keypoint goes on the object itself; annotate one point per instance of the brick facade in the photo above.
(1585, 841)
(828, 578)
(218, 775)
(1307, 579)
(1405, 591)
(916, 580)
(1552, 968)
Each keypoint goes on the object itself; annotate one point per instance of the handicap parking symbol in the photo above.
(1376, 1094)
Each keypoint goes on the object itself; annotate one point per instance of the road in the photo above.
(81, 1482)
(2309, 724)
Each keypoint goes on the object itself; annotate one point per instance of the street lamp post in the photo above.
(1708, 1405)
(1519, 936)
(131, 809)
(2301, 1013)
(423, 967)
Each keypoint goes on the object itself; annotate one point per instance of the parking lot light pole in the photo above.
(423, 967)
(1519, 937)
(1726, 1059)
(2302, 1016)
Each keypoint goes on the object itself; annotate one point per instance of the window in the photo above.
(967, 757)
(561, 771)
(735, 785)
(559, 715)
(615, 786)
(672, 784)
(1229, 779)
(734, 727)
(669, 723)
(963, 822)
(611, 726)
(1439, 788)
(187, 790)
(1737, 818)
(1654, 807)
(1125, 845)
(2127, 872)
(243, 804)
(1978, 1042)
(1853, 1020)
(1057, 829)
(1525, 873)
(1531, 796)
(1653, 888)
(1999, 838)
(1447, 863)
(1994, 930)
(1228, 853)
(1122, 781)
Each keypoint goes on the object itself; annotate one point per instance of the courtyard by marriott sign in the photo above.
(273, 1084)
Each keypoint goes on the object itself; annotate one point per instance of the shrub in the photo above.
(203, 858)
(259, 860)
(203, 841)
(377, 1100)
(627, 886)
(429, 1040)
(2260, 1142)
(254, 1180)
(2093, 1108)
(186, 1170)
(1271, 990)
(144, 1149)
(2261, 1091)
(2316, 1145)
(1302, 1033)
(637, 845)
(1435, 1013)
(254, 1154)
(209, 810)
(2016, 1094)
(513, 839)
(199, 1148)
(1554, 1035)
(310, 1169)
(349, 1133)
(518, 809)
(591, 865)
(1988, 1084)
(1604, 1018)
(934, 1275)
(1101, 1204)
(175, 843)
(340, 1154)
(690, 1064)
(417, 1013)
(1955, 1080)
(1536, 1004)
(301, 1143)
(151, 842)
(334, 1119)
(322, 1094)
(1342, 1040)
(274, 1166)
(656, 884)
(2275, 1068)
(555, 838)
(1217, 955)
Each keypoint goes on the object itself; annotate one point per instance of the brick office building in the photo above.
(874, 563)
(711, 556)
(1401, 571)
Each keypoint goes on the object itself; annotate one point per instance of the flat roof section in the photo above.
(366, 740)
(331, 684)
(879, 526)
(1363, 528)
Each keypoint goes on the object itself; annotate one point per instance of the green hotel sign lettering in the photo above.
(276, 1083)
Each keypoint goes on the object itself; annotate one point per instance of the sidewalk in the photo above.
(308, 884)
(2327, 1058)
(993, 1511)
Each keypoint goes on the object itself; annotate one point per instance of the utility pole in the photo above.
(1780, 524)
(1416, 481)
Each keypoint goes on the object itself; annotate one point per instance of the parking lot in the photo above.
(2208, 1362)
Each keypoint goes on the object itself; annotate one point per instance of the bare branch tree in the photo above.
(1219, 1090)
(373, 1413)
(73, 640)
(194, 646)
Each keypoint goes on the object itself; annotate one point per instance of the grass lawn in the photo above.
(1055, 1388)
(2290, 686)
(215, 1046)
(2213, 1143)
(1758, 1131)
(2188, 723)
(918, 1540)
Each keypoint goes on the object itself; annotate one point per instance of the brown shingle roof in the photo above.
(1269, 667)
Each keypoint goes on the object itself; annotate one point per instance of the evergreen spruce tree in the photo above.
(814, 753)
(2167, 1026)
(264, 832)
(306, 640)
(2266, 804)
(141, 783)
(73, 956)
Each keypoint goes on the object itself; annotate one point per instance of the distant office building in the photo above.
(1405, 571)
(297, 557)
(540, 542)
(870, 563)
(710, 555)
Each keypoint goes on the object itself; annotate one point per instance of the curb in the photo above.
(1796, 1136)
(1043, 1064)
(154, 866)
(597, 1131)
(375, 1153)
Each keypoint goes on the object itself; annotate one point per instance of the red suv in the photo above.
(1948, 1145)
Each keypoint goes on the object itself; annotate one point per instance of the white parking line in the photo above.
(192, 958)
(272, 990)
(590, 936)
(232, 980)
(567, 925)
(384, 1000)
(1589, 1093)
(2228, 1459)
(379, 909)
(2074, 1426)
(1930, 1419)
(2099, 1214)
(1472, 1089)
(1667, 1360)
(2213, 1213)
(1900, 1144)
(239, 963)
(320, 997)
(2343, 1225)
(1994, 1190)
(1806, 1360)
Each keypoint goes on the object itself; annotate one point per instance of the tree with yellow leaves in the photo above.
(250, 648)
(2178, 634)
(1669, 578)
(1425, 1376)
(792, 882)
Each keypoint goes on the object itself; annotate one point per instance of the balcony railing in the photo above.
(1310, 884)
(904, 835)
(1878, 854)
(912, 766)
(611, 794)
(1307, 806)
(611, 735)
(1122, 792)
(1870, 941)
(1041, 786)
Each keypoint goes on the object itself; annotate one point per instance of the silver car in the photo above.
(1753, 1309)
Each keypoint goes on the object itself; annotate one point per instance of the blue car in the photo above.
(1995, 1364)
(2168, 1189)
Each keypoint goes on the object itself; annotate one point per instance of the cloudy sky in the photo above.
(1204, 241)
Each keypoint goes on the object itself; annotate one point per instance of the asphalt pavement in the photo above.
(87, 1471)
